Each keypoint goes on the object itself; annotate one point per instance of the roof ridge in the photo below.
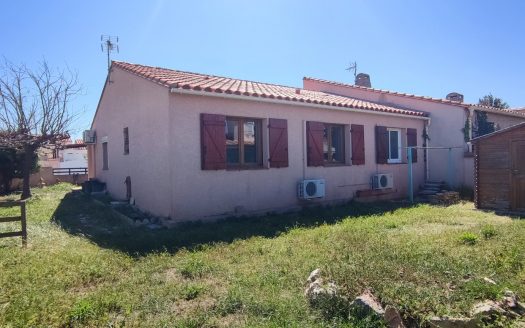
(428, 98)
(209, 75)
(404, 94)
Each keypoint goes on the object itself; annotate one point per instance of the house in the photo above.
(59, 163)
(193, 146)
(452, 124)
(68, 155)
(500, 169)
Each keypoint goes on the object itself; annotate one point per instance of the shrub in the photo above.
(82, 311)
(194, 268)
(488, 231)
(191, 292)
(469, 238)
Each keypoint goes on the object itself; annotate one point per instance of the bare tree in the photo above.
(34, 109)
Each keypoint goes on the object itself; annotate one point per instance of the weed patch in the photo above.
(469, 238)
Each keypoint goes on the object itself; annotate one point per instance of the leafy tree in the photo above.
(11, 166)
(34, 110)
(491, 101)
(482, 125)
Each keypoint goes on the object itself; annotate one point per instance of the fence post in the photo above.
(24, 222)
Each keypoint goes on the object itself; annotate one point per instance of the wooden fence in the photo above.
(22, 218)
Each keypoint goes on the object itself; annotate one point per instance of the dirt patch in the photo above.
(232, 320)
(214, 284)
(183, 308)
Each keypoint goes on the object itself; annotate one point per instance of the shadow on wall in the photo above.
(79, 215)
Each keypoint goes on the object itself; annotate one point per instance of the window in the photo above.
(334, 144)
(394, 146)
(104, 155)
(126, 141)
(243, 142)
(325, 143)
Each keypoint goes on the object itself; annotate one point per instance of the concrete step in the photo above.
(430, 187)
(428, 192)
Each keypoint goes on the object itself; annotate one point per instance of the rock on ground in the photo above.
(447, 322)
(392, 318)
(367, 303)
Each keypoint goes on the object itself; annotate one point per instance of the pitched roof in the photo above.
(358, 87)
(408, 95)
(216, 84)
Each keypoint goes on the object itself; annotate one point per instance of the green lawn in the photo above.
(84, 267)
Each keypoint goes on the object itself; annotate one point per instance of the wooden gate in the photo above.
(22, 218)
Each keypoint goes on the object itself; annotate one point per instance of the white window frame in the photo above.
(399, 146)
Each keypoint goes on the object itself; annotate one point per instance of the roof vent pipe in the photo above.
(454, 96)
(363, 80)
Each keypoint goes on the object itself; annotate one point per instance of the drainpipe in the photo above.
(304, 149)
(427, 141)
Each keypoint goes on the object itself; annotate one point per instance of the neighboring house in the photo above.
(500, 170)
(64, 163)
(449, 118)
(193, 146)
(68, 155)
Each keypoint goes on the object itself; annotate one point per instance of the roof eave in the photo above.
(178, 90)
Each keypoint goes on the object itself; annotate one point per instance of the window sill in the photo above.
(331, 165)
(397, 163)
(245, 168)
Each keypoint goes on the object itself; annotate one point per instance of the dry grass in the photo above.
(84, 267)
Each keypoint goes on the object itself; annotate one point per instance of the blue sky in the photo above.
(422, 47)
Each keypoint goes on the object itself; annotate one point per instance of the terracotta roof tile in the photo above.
(209, 83)
(408, 95)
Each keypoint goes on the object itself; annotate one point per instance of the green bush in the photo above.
(488, 231)
(82, 311)
(469, 238)
(192, 291)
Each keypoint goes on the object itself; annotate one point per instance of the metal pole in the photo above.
(410, 178)
(450, 168)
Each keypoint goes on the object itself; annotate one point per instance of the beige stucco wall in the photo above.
(164, 160)
(212, 194)
(142, 106)
(504, 121)
(445, 130)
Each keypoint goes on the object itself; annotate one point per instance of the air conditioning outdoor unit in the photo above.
(309, 189)
(383, 181)
(89, 137)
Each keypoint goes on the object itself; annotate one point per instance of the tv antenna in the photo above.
(108, 44)
(352, 67)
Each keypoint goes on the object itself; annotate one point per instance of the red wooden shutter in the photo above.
(278, 142)
(381, 145)
(412, 142)
(315, 134)
(358, 144)
(213, 142)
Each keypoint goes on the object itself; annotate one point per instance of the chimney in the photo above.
(454, 96)
(363, 80)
